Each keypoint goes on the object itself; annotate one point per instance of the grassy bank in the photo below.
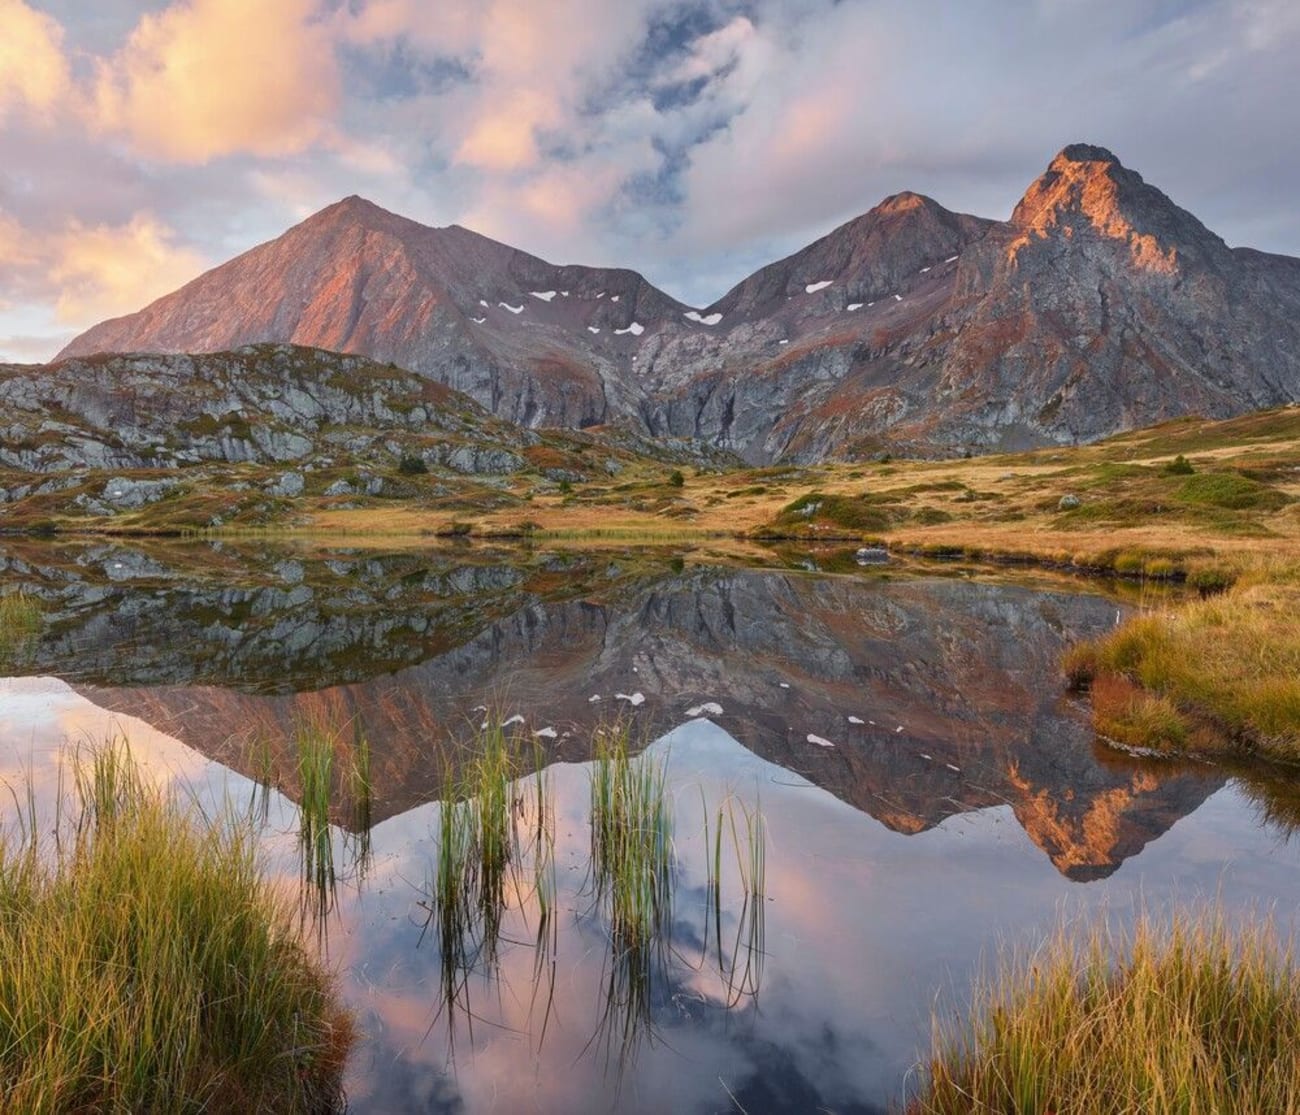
(1216, 674)
(1187, 1016)
(146, 966)
(1160, 501)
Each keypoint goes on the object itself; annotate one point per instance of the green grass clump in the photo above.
(823, 513)
(478, 846)
(314, 744)
(1188, 1015)
(1230, 491)
(145, 965)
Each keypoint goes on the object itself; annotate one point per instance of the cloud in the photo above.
(103, 271)
(33, 69)
(207, 78)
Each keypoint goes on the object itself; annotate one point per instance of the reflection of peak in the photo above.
(1088, 835)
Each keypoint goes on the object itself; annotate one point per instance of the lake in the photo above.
(899, 748)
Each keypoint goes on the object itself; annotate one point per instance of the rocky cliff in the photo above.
(1100, 305)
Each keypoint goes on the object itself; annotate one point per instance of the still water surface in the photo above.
(951, 797)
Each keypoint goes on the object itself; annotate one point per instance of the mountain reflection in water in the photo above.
(940, 696)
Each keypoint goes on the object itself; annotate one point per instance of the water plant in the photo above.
(314, 746)
(145, 964)
(741, 966)
(485, 837)
(631, 839)
(632, 865)
(1188, 1013)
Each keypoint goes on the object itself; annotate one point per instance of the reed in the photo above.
(631, 840)
(480, 853)
(632, 871)
(1179, 1015)
(147, 966)
(314, 745)
(741, 966)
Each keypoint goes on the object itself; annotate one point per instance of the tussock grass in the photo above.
(145, 965)
(1184, 1015)
(1230, 662)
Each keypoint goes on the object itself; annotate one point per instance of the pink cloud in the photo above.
(33, 69)
(207, 78)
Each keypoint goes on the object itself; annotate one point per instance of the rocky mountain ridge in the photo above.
(106, 434)
(1098, 306)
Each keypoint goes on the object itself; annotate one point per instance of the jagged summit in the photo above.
(1085, 153)
(1098, 306)
(1086, 189)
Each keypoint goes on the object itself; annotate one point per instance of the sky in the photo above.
(693, 140)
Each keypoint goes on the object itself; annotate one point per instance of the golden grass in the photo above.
(1185, 1015)
(1221, 673)
(147, 966)
(996, 507)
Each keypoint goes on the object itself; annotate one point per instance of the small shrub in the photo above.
(1179, 466)
(676, 479)
(412, 466)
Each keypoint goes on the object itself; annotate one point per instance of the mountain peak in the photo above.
(1087, 190)
(1085, 153)
(906, 202)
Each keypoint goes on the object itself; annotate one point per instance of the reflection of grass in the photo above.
(742, 967)
(1231, 662)
(20, 620)
(146, 966)
(1180, 1017)
(478, 851)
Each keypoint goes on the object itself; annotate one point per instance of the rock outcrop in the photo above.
(1099, 306)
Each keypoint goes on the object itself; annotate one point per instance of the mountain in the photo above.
(1100, 305)
(229, 435)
